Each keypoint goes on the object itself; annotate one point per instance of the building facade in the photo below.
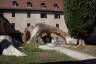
(24, 13)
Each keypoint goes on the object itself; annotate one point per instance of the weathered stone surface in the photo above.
(57, 40)
(40, 29)
(8, 46)
(75, 41)
(58, 36)
(5, 26)
(12, 51)
(71, 40)
(26, 35)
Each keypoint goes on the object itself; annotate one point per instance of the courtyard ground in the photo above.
(72, 53)
(35, 56)
(88, 49)
(82, 57)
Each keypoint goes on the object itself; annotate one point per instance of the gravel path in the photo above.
(71, 53)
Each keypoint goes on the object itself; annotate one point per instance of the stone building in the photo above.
(24, 13)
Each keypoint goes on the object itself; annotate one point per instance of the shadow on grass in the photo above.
(90, 61)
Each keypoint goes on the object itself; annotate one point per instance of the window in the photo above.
(57, 25)
(28, 15)
(28, 24)
(13, 25)
(13, 14)
(55, 6)
(29, 5)
(57, 16)
(14, 3)
(43, 5)
(43, 15)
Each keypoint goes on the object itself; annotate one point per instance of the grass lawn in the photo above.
(35, 55)
(88, 49)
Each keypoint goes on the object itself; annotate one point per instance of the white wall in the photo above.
(21, 20)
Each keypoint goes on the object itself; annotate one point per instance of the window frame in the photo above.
(28, 15)
(13, 14)
(14, 4)
(57, 25)
(55, 6)
(28, 24)
(57, 16)
(43, 5)
(43, 15)
(29, 5)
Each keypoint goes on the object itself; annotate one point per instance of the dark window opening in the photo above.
(15, 3)
(56, 6)
(57, 25)
(28, 15)
(13, 14)
(13, 25)
(28, 24)
(43, 5)
(57, 16)
(43, 15)
(29, 5)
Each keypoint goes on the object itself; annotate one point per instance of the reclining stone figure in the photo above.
(9, 46)
(40, 29)
(8, 43)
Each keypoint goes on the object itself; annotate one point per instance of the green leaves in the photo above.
(80, 15)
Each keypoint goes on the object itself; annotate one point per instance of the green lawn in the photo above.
(35, 55)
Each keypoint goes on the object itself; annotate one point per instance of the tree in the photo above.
(80, 17)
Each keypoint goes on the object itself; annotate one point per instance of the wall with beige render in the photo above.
(21, 20)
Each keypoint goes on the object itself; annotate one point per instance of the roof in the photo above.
(46, 5)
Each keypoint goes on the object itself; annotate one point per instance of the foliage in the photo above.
(80, 16)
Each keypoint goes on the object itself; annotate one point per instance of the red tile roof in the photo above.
(36, 5)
